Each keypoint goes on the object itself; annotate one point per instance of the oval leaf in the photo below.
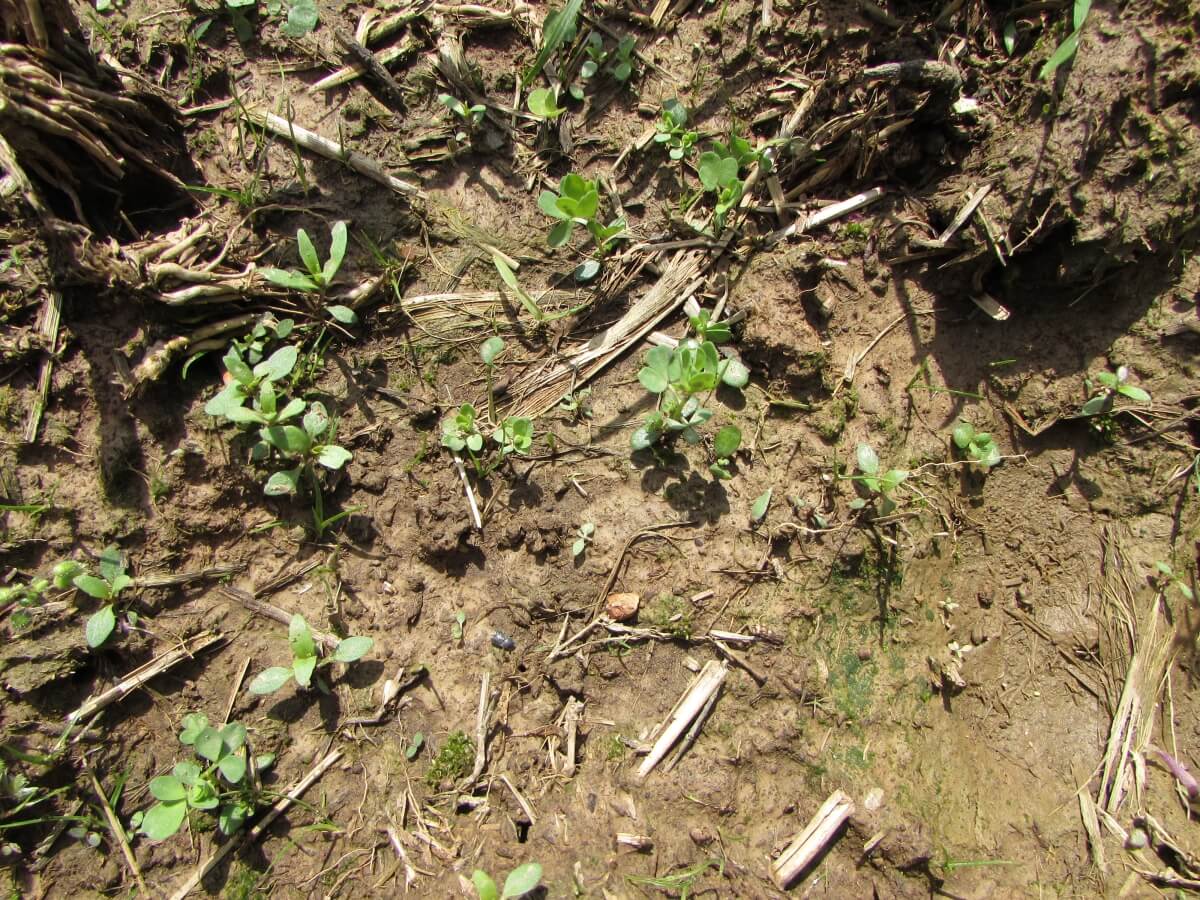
(484, 886)
(352, 648)
(100, 626)
(343, 314)
(168, 789)
(92, 586)
(300, 637)
(867, 458)
(332, 456)
(233, 767)
(270, 680)
(163, 819)
(727, 441)
(281, 483)
(759, 509)
(303, 668)
(522, 880)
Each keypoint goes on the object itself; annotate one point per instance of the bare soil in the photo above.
(944, 666)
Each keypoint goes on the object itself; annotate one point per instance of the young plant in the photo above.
(672, 130)
(305, 446)
(1070, 45)
(461, 431)
(25, 597)
(879, 484)
(105, 587)
(701, 323)
(257, 386)
(725, 444)
(577, 203)
(678, 376)
(976, 446)
(583, 537)
(319, 276)
(224, 782)
(266, 331)
(520, 881)
(305, 660)
(468, 117)
(1168, 576)
(1112, 385)
(559, 28)
(488, 351)
(543, 103)
(514, 435)
(619, 60)
(719, 175)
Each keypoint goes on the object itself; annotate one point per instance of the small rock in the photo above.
(622, 607)
(701, 837)
(864, 653)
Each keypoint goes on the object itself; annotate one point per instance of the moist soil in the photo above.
(939, 664)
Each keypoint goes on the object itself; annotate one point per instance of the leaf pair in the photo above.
(319, 275)
(305, 659)
(576, 203)
(460, 432)
(520, 881)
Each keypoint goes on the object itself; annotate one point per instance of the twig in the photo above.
(571, 723)
(410, 874)
(812, 841)
(694, 700)
(462, 474)
(311, 141)
(271, 611)
(521, 801)
(174, 580)
(51, 314)
(234, 688)
(249, 837)
(826, 215)
(118, 833)
(141, 675)
(487, 702)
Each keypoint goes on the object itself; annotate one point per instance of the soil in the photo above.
(944, 665)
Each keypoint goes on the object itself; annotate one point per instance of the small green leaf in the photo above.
(558, 27)
(287, 438)
(734, 373)
(100, 626)
(233, 736)
(331, 456)
(343, 314)
(193, 725)
(543, 104)
(1098, 404)
(281, 483)
(286, 278)
(337, 252)
(163, 819)
(1134, 393)
(727, 441)
(316, 420)
(522, 880)
(300, 637)
(270, 680)
(352, 648)
(560, 234)
(1063, 54)
(1010, 37)
(209, 744)
(759, 509)
(93, 586)
(233, 767)
(868, 460)
(490, 349)
(279, 364)
(232, 817)
(302, 667)
(962, 434)
(414, 746)
(484, 886)
(168, 789)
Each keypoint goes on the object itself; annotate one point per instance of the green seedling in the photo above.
(619, 61)
(583, 537)
(681, 882)
(719, 175)
(1168, 577)
(456, 627)
(671, 129)
(105, 587)
(976, 446)
(238, 13)
(302, 16)
(520, 881)
(543, 103)
(559, 28)
(701, 323)
(577, 405)
(319, 276)
(461, 431)
(257, 386)
(266, 331)
(762, 503)
(1070, 46)
(1112, 385)
(488, 351)
(305, 660)
(577, 203)
(224, 782)
(29, 596)
(514, 435)
(509, 277)
(877, 482)
(414, 746)
(22, 802)
(468, 117)
(678, 376)
(306, 446)
(725, 444)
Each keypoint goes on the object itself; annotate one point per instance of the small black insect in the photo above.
(502, 641)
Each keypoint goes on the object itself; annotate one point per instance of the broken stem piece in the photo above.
(462, 474)
(820, 832)
(690, 705)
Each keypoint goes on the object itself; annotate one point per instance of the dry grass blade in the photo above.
(1139, 648)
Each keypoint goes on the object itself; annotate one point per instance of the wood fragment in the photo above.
(825, 216)
(140, 676)
(249, 837)
(809, 844)
(314, 143)
(410, 874)
(521, 801)
(271, 611)
(638, 843)
(118, 832)
(487, 703)
(571, 723)
(703, 687)
(48, 321)
(476, 520)
(741, 662)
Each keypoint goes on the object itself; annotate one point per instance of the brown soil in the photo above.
(863, 626)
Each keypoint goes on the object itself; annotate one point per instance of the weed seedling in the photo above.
(725, 444)
(104, 587)
(1168, 576)
(719, 175)
(488, 351)
(520, 881)
(577, 203)
(468, 118)
(583, 537)
(878, 484)
(976, 446)
(543, 103)
(319, 276)
(1070, 46)
(559, 28)
(1111, 385)
(619, 60)
(514, 435)
(671, 129)
(224, 782)
(678, 376)
(305, 660)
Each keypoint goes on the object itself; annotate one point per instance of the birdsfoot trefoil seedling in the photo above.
(305, 660)
(976, 446)
(577, 203)
(671, 130)
(224, 781)
(1111, 385)
(678, 376)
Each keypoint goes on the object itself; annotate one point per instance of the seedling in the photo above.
(1112, 385)
(559, 28)
(514, 435)
(701, 323)
(460, 431)
(456, 629)
(877, 483)
(761, 504)
(468, 117)
(725, 444)
(583, 537)
(719, 175)
(520, 881)
(309, 445)
(509, 277)
(266, 331)
(319, 276)
(677, 377)
(225, 782)
(105, 587)
(305, 660)
(543, 103)
(488, 351)
(577, 405)
(977, 446)
(577, 203)
(1070, 46)
(672, 130)
(1168, 576)
(619, 60)
(256, 385)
